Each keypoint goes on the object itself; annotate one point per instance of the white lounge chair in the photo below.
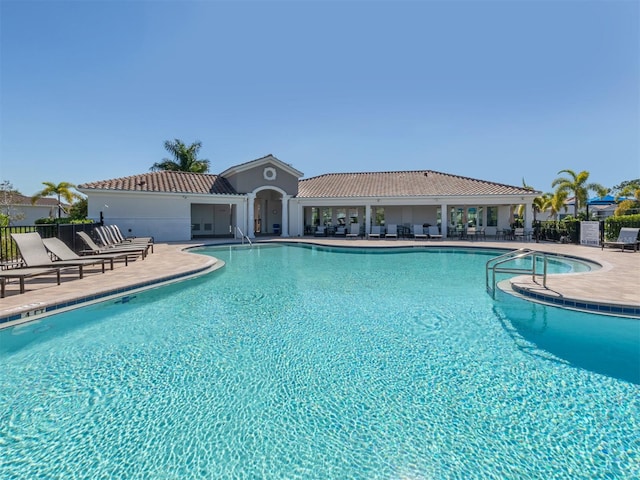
(354, 231)
(418, 232)
(392, 231)
(434, 232)
(628, 237)
(375, 232)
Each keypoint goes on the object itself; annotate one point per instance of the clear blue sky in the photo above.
(496, 90)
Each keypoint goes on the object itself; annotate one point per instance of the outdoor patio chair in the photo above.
(122, 238)
(22, 273)
(375, 232)
(418, 232)
(434, 232)
(354, 231)
(392, 231)
(34, 254)
(628, 237)
(110, 237)
(321, 231)
(60, 249)
(94, 249)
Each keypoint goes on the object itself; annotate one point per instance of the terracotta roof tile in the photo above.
(168, 182)
(400, 184)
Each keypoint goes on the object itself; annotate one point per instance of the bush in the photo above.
(612, 225)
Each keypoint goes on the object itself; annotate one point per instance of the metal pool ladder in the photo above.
(243, 236)
(495, 265)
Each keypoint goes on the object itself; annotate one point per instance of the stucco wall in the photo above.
(249, 180)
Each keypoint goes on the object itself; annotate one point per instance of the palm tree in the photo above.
(541, 204)
(60, 190)
(577, 184)
(556, 203)
(185, 158)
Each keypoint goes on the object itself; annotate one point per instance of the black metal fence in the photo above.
(65, 232)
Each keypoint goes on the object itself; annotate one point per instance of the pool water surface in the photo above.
(316, 363)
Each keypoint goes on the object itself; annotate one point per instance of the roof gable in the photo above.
(266, 160)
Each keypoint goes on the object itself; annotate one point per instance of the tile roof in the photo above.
(17, 199)
(401, 184)
(167, 182)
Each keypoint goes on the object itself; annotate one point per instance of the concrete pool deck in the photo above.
(616, 284)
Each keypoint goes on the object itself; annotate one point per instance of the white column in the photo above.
(444, 219)
(367, 219)
(251, 197)
(528, 214)
(285, 216)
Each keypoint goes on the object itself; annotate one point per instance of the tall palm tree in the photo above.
(185, 158)
(60, 190)
(576, 183)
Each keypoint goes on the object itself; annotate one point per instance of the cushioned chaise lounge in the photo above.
(34, 254)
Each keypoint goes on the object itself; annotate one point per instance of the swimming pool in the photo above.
(300, 362)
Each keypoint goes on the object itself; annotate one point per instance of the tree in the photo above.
(60, 190)
(185, 158)
(541, 204)
(576, 183)
(8, 198)
(556, 203)
(630, 191)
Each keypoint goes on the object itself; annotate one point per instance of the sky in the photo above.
(505, 91)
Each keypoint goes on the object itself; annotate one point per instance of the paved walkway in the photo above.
(616, 283)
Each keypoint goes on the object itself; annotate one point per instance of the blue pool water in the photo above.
(294, 362)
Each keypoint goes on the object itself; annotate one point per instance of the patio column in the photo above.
(285, 216)
(367, 219)
(528, 214)
(444, 220)
(251, 197)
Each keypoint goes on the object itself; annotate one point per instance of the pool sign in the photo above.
(590, 233)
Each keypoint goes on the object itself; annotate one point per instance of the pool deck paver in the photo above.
(617, 282)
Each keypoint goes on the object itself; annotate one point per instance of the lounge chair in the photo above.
(434, 232)
(120, 238)
(519, 233)
(320, 231)
(418, 232)
(354, 231)
(34, 254)
(95, 249)
(111, 238)
(341, 232)
(22, 273)
(375, 232)
(58, 248)
(392, 231)
(628, 237)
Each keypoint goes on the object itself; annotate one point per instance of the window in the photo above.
(315, 216)
(353, 215)
(341, 216)
(378, 216)
(492, 216)
(327, 216)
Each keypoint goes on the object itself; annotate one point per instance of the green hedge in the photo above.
(612, 225)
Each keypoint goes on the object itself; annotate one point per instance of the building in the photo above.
(269, 197)
(22, 212)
